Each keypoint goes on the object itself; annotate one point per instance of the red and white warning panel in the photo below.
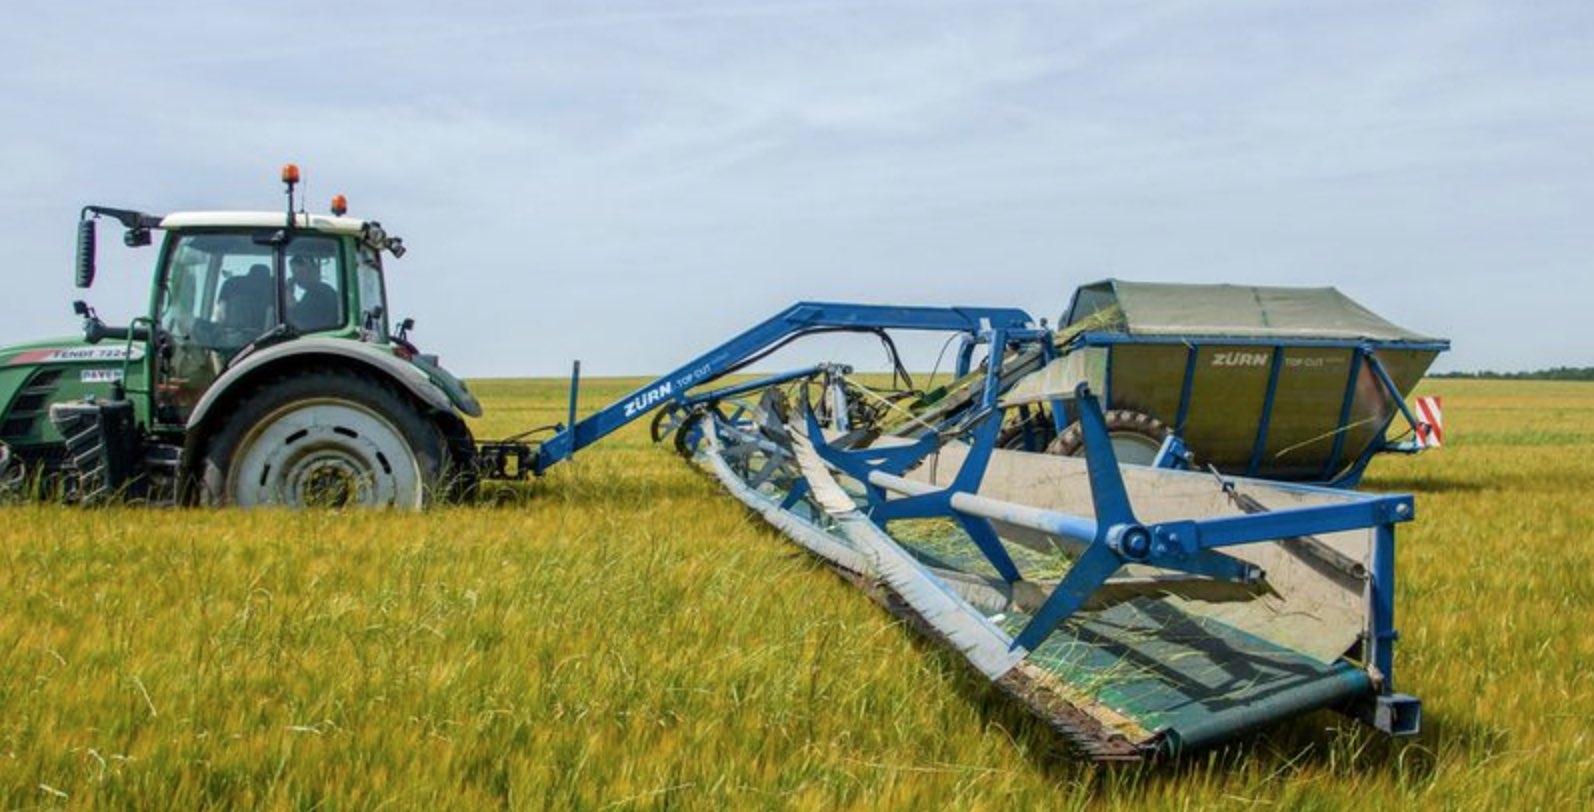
(1430, 422)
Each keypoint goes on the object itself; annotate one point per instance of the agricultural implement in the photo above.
(1141, 609)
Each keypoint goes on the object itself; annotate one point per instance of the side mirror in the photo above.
(85, 253)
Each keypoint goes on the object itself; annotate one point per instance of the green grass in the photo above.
(626, 635)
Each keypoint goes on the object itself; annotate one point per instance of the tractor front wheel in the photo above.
(327, 439)
(1136, 438)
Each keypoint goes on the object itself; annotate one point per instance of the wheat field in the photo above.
(620, 634)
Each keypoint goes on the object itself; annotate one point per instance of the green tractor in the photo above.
(264, 373)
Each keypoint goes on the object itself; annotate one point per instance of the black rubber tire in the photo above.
(657, 430)
(1140, 431)
(366, 433)
(683, 434)
(461, 481)
(1012, 435)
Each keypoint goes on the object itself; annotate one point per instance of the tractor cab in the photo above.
(233, 283)
(230, 283)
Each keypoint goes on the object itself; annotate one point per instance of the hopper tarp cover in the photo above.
(1152, 309)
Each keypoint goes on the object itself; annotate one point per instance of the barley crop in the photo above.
(620, 634)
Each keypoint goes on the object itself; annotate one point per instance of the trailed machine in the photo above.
(1140, 608)
(1143, 610)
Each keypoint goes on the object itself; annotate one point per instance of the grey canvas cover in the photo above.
(1247, 311)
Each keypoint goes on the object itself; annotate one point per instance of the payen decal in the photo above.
(101, 375)
(648, 399)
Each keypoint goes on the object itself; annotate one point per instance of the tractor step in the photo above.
(103, 451)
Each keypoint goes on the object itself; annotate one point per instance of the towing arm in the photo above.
(800, 319)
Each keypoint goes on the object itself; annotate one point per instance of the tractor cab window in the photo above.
(373, 299)
(217, 294)
(315, 291)
(218, 291)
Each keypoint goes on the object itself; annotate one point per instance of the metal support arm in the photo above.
(799, 318)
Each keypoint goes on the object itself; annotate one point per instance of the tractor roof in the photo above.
(262, 219)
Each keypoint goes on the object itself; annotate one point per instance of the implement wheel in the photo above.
(667, 420)
(1136, 438)
(685, 424)
(681, 423)
(325, 439)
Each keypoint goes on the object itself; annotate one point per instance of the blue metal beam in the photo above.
(1343, 426)
(755, 385)
(1185, 389)
(1226, 531)
(1382, 588)
(1390, 388)
(1259, 448)
(797, 318)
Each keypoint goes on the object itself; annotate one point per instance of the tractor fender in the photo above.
(305, 350)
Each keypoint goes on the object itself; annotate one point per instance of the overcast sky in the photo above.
(632, 182)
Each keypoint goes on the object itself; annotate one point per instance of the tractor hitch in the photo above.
(505, 461)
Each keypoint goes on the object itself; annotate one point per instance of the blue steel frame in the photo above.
(1115, 537)
(1363, 352)
(1111, 539)
(674, 386)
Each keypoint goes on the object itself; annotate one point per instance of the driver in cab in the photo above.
(317, 305)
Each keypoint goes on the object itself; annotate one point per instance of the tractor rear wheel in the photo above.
(329, 439)
(1136, 438)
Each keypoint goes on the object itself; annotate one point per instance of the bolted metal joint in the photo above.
(1175, 540)
(1396, 510)
(1130, 541)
